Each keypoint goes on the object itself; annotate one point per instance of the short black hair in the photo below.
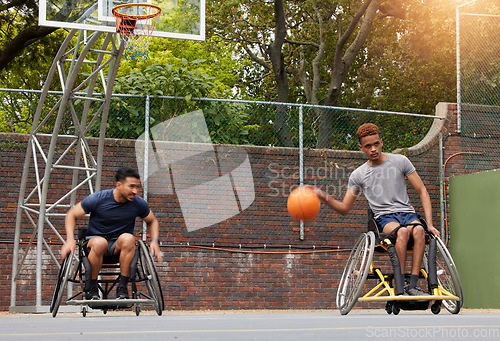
(125, 172)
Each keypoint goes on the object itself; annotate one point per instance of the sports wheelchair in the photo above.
(75, 269)
(438, 269)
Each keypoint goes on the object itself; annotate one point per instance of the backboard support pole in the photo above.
(39, 213)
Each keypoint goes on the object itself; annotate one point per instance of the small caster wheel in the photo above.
(436, 307)
(388, 307)
(396, 309)
(84, 311)
(137, 310)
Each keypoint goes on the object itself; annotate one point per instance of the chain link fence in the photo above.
(230, 122)
(478, 98)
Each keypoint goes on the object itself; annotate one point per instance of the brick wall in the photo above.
(252, 261)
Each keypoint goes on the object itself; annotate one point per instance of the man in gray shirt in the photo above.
(382, 179)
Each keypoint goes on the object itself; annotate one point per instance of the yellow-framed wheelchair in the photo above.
(75, 270)
(438, 270)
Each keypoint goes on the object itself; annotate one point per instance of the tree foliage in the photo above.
(393, 56)
(315, 42)
(227, 124)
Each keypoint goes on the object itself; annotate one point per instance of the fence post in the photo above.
(301, 161)
(145, 181)
(459, 94)
(441, 184)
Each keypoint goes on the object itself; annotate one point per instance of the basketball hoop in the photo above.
(136, 23)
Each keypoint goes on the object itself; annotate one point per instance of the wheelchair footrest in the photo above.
(413, 305)
(408, 298)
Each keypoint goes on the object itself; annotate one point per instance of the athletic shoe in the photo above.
(416, 291)
(122, 292)
(93, 294)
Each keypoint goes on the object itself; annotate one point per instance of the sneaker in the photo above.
(93, 294)
(122, 292)
(416, 291)
(405, 293)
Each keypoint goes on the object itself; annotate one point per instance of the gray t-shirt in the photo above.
(384, 186)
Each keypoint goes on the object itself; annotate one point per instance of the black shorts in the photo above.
(111, 243)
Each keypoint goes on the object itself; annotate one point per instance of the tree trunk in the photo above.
(341, 65)
(25, 38)
(279, 69)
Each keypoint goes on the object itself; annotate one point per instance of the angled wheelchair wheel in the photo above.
(64, 275)
(447, 276)
(355, 272)
(148, 272)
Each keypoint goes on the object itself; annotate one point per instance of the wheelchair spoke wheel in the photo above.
(65, 272)
(355, 272)
(152, 280)
(447, 276)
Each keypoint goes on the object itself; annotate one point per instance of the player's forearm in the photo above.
(427, 206)
(154, 230)
(70, 225)
(335, 204)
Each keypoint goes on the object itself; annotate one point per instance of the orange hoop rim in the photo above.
(136, 16)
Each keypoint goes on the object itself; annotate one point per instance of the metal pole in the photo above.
(145, 181)
(441, 182)
(64, 105)
(27, 163)
(301, 161)
(459, 94)
(113, 69)
(49, 167)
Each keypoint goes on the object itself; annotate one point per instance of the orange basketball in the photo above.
(303, 204)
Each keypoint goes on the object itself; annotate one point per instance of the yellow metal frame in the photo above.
(383, 287)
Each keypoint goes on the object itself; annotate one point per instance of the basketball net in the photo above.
(136, 23)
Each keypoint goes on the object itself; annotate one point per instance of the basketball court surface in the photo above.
(253, 325)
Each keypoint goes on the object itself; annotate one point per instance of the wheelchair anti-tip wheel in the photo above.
(147, 270)
(447, 276)
(65, 273)
(355, 272)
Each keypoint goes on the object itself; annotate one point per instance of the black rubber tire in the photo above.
(149, 272)
(447, 276)
(355, 272)
(65, 272)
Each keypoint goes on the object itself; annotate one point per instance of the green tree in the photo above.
(221, 64)
(227, 124)
(409, 66)
(315, 42)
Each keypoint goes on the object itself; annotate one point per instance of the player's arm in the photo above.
(419, 186)
(154, 232)
(343, 207)
(70, 224)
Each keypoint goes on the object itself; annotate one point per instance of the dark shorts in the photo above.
(111, 243)
(400, 217)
